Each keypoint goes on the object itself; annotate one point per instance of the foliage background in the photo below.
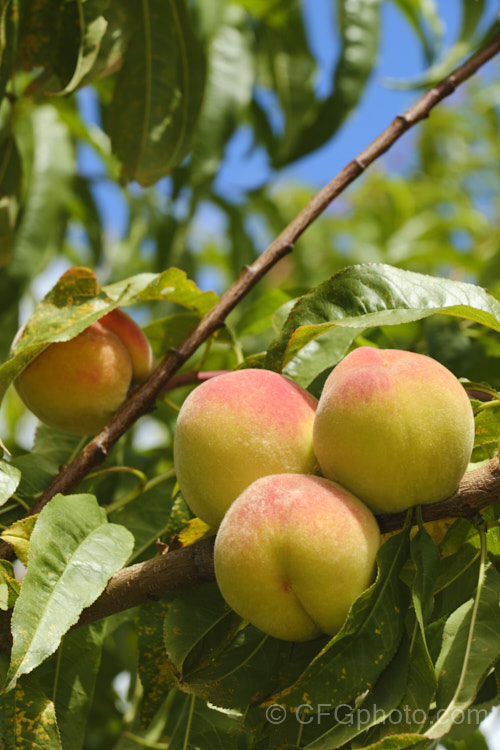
(192, 121)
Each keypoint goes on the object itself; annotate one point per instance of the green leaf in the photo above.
(425, 556)
(64, 38)
(171, 285)
(118, 31)
(487, 421)
(90, 27)
(158, 93)
(423, 16)
(259, 316)
(69, 677)
(472, 13)
(353, 660)
(77, 300)
(73, 553)
(359, 26)
(374, 295)
(10, 183)
(421, 682)
(473, 741)
(376, 707)
(10, 477)
(249, 667)
(168, 332)
(9, 15)
(470, 648)
(208, 728)
(41, 228)
(9, 587)
(456, 578)
(29, 719)
(291, 70)
(157, 673)
(400, 742)
(229, 89)
(190, 621)
(320, 355)
(147, 517)
(18, 536)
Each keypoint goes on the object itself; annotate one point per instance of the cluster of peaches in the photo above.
(290, 483)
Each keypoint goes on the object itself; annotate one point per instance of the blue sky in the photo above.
(245, 168)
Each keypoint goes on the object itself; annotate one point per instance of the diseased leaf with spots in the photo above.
(29, 719)
(352, 661)
(69, 678)
(77, 300)
(157, 672)
(18, 536)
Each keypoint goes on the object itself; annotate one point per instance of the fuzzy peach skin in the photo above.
(77, 385)
(238, 427)
(293, 553)
(136, 343)
(394, 427)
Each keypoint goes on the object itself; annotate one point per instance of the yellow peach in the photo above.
(394, 427)
(292, 554)
(238, 427)
(77, 385)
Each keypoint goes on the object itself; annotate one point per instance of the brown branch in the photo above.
(143, 399)
(191, 566)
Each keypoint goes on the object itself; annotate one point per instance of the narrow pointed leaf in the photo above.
(69, 678)
(9, 19)
(158, 93)
(472, 13)
(10, 194)
(29, 719)
(359, 25)
(41, 228)
(89, 32)
(478, 645)
(423, 16)
(353, 660)
(375, 708)
(73, 553)
(230, 79)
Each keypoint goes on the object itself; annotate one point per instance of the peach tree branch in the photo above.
(143, 399)
(183, 568)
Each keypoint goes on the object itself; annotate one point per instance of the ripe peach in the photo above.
(77, 385)
(394, 427)
(238, 427)
(292, 554)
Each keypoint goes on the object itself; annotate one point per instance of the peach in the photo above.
(77, 385)
(394, 427)
(292, 554)
(238, 427)
(136, 343)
